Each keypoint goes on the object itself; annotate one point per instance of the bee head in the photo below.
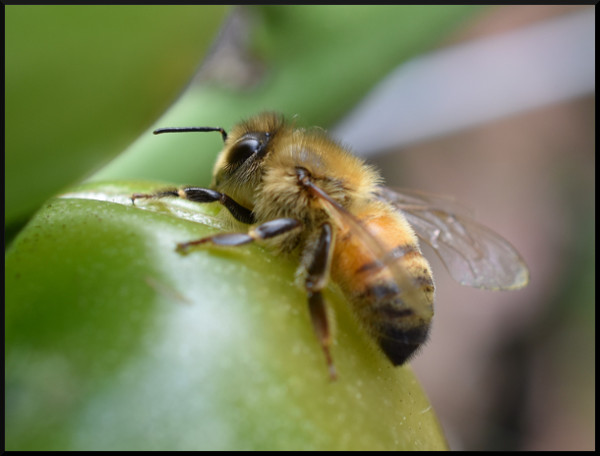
(239, 166)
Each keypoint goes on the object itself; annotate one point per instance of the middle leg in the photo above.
(316, 279)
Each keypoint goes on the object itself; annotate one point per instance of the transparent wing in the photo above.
(473, 254)
(346, 221)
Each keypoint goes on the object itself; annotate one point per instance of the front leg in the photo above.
(265, 230)
(203, 195)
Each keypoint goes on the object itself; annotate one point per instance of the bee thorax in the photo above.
(281, 194)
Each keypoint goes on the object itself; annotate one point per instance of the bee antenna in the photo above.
(184, 129)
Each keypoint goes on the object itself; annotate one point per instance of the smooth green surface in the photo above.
(116, 341)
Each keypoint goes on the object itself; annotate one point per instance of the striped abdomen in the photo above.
(398, 319)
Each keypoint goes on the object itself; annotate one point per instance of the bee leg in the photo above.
(203, 195)
(316, 279)
(263, 231)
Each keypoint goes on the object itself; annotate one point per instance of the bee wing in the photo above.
(473, 254)
(345, 220)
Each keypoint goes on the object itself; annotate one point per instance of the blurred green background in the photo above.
(82, 82)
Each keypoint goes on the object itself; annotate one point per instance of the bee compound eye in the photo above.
(243, 150)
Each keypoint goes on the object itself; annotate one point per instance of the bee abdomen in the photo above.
(398, 320)
(398, 343)
(398, 328)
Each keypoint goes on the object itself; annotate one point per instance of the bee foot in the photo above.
(183, 248)
(138, 196)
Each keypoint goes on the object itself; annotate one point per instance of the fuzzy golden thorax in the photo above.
(258, 168)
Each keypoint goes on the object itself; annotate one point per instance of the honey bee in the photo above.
(309, 197)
